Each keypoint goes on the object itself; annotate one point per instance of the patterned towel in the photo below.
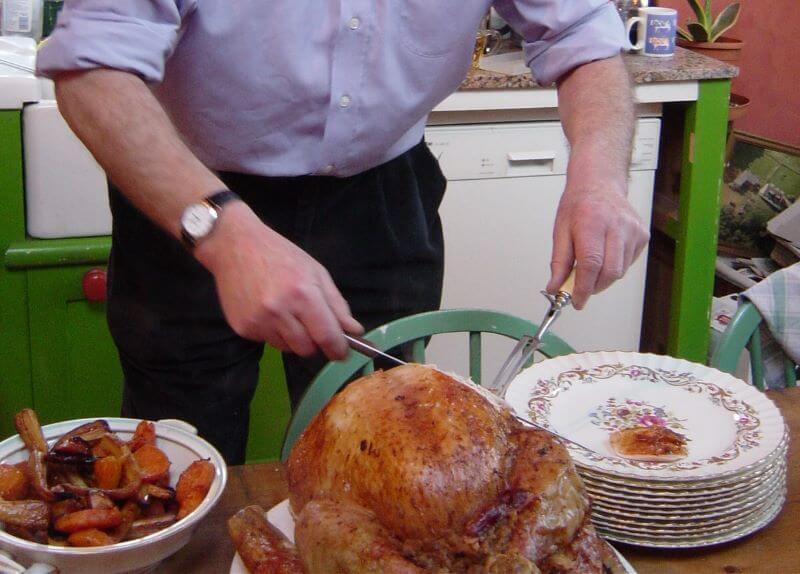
(778, 300)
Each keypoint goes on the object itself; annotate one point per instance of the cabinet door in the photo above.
(74, 363)
(76, 371)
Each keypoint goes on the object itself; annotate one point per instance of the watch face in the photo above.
(198, 220)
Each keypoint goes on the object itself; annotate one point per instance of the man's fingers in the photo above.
(589, 257)
(562, 260)
(613, 261)
(295, 336)
(339, 306)
(312, 309)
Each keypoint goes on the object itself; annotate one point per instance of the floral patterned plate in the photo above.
(688, 489)
(731, 428)
(757, 521)
(679, 509)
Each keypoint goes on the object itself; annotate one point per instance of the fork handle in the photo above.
(568, 286)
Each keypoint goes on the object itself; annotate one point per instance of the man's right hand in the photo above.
(273, 291)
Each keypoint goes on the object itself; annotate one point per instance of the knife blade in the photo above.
(367, 349)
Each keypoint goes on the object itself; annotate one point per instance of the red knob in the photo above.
(94, 285)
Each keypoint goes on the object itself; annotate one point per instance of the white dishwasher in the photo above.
(504, 184)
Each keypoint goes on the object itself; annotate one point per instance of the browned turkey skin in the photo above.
(411, 471)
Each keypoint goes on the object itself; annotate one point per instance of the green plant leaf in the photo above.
(697, 31)
(725, 21)
(684, 34)
(701, 13)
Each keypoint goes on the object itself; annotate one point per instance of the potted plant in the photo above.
(705, 35)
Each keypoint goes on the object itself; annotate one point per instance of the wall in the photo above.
(769, 67)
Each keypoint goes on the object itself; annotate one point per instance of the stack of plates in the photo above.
(731, 483)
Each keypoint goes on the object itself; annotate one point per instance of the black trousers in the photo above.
(378, 234)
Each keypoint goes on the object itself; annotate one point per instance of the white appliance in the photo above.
(504, 184)
(66, 191)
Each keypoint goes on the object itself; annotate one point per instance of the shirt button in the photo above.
(344, 101)
(328, 169)
(354, 23)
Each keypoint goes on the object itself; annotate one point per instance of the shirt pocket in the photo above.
(433, 28)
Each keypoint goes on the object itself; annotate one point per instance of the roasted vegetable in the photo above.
(145, 526)
(27, 424)
(13, 482)
(153, 463)
(263, 549)
(145, 434)
(90, 537)
(89, 518)
(77, 440)
(193, 485)
(107, 472)
(30, 514)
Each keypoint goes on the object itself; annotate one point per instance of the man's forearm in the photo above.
(596, 108)
(130, 135)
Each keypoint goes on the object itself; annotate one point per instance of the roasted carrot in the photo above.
(193, 485)
(13, 482)
(153, 463)
(90, 518)
(90, 537)
(145, 434)
(107, 472)
(64, 507)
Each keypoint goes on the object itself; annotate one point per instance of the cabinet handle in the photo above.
(94, 284)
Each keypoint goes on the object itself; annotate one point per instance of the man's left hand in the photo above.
(598, 231)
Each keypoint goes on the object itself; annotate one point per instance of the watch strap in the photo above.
(220, 198)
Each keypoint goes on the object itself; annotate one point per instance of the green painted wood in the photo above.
(418, 350)
(336, 374)
(790, 372)
(475, 355)
(35, 253)
(270, 410)
(15, 363)
(741, 333)
(75, 368)
(756, 361)
(698, 221)
(735, 338)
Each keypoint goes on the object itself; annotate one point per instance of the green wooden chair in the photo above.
(414, 330)
(741, 333)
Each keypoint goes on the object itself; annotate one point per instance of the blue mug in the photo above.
(656, 29)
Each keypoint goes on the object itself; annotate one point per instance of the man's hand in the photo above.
(271, 290)
(596, 228)
(600, 233)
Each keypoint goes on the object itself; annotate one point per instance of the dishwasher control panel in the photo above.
(481, 151)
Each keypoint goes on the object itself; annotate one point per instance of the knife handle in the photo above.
(568, 286)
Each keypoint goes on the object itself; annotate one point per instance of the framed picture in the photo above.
(761, 179)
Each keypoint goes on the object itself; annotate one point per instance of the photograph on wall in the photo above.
(761, 179)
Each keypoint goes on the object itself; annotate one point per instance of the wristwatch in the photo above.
(199, 219)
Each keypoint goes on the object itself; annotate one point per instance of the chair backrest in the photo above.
(741, 333)
(415, 330)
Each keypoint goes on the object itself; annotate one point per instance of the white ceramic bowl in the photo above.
(181, 444)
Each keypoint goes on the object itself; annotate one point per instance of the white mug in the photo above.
(656, 33)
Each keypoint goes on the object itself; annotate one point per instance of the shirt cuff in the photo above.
(597, 36)
(84, 40)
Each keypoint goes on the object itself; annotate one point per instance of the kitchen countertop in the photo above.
(685, 65)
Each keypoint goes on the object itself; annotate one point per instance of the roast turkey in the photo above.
(410, 470)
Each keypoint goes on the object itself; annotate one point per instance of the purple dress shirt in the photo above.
(293, 87)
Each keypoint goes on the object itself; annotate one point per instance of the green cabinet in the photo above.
(74, 368)
(56, 353)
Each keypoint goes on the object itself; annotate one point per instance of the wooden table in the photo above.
(773, 550)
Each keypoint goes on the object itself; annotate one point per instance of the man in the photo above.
(313, 113)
